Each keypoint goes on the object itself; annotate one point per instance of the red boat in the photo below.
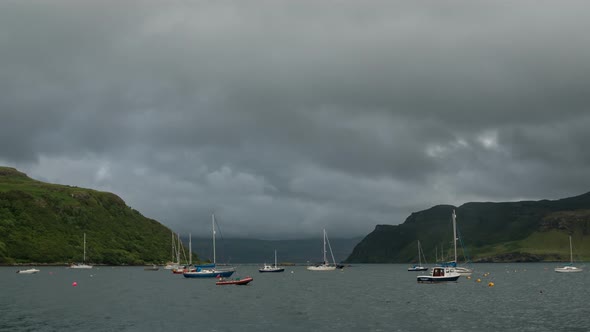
(243, 281)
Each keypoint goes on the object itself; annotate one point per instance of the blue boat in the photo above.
(210, 270)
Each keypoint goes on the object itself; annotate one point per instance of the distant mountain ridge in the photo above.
(491, 232)
(240, 251)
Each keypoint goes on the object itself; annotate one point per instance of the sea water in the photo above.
(507, 297)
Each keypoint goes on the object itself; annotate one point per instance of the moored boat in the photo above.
(210, 270)
(237, 281)
(461, 270)
(569, 268)
(28, 271)
(439, 274)
(82, 265)
(184, 269)
(325, 265)
(419, 267)
(269, 268)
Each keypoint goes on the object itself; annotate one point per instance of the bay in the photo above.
(524, 297)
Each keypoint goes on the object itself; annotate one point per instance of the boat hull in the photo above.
(321, 268)
(568, 269)
(243, 281)
(439, 274)
(208, 274)
(430, 279)
(271, 270)
(80, 266)
(29, 271)
(417, 268)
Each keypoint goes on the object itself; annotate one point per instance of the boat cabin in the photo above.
(438, 272)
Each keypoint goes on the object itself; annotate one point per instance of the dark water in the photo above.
(526, 297)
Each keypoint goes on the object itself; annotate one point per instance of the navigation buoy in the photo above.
(491, 284)
(74, 284)
(478, 280)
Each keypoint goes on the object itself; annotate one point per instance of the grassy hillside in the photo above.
(45, 223)
(507, 232)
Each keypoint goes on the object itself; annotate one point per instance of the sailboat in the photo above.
(175, 262)
(325, 266)
(569, 267)
(270, 268)
(464, 271)
(180, 269)
(419, 267)
(82, 265)
(210, 270)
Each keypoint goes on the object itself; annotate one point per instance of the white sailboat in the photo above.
(464, 271)
(270, 268)
(419, 267)
(82, 265)
(325, 266)
(175, 262)
(570, 267)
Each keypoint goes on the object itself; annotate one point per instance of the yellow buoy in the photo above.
(491, 284)
(478, 280)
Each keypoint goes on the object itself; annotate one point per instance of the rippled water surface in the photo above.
(525, 297)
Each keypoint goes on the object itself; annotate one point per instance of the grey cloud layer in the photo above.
(286, 117)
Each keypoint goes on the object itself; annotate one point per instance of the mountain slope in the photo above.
(513, 231)
(45, 223)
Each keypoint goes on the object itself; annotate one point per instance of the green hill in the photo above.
(45, 223)
(491, 232)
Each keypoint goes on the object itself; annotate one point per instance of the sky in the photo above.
(287, 117)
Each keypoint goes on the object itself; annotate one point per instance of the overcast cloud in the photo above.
(285, 117)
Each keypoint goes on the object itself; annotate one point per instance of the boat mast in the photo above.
(178, 249)
(329, 246)
(190, 250)
(419, 257)
(455, 235)
(435, 254)
(213, 227)
(84, 258)
(172, 247)
(275, 258)
(325, 260)
(571, 254)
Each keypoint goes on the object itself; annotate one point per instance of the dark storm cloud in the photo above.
(285, 117)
